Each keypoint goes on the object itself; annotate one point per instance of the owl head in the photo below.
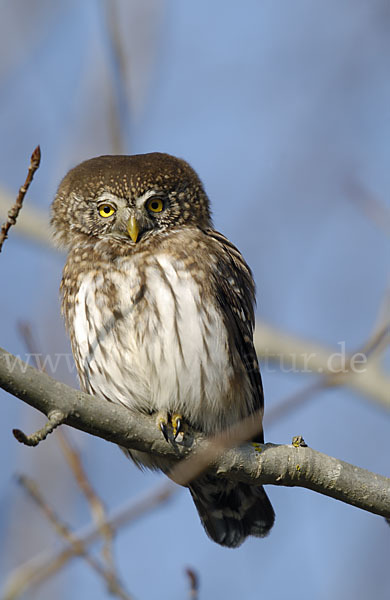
(128, 199)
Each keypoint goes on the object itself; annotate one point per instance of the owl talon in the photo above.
(177, 424)
(164, 430)
(177, 430)
(162, 423)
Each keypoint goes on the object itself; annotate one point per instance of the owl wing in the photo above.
(235, 293)
(231, 511)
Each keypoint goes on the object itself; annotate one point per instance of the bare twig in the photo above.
(383, 314)
(119, 103)
(78, 548)
(14, 211)
(33, 223)
(194, 583)
(54, 419)
(45, 565)
(26, 334)
(96, 504)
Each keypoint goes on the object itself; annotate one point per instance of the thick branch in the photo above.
(267, 464)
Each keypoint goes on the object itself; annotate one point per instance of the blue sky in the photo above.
(277, 105)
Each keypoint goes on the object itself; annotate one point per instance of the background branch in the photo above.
(111, 578)
(14, 211)
(264, 464)
(33, 223)
(45, 564)
(294, 354)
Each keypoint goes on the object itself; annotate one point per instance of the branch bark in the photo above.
(287, 465)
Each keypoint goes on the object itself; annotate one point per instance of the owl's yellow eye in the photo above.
(106, 210)
(155, 205)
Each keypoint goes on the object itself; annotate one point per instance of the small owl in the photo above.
(159, 308)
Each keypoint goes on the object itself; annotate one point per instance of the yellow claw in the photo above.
(162, 422)
(257, 446)
(176, 420)
(177, 424)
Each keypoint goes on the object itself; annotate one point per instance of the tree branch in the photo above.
(287, 465)
(16, 208)
(109, 575)
(296, 355)
(47, 563)
(33, 223)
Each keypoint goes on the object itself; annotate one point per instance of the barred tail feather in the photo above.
(231, 511)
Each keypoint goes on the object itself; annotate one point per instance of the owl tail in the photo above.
(231, 511)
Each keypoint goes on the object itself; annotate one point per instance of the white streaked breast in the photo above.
(169, 351)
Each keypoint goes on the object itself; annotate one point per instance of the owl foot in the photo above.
(176, 421)
(162, 424)
(177, 424)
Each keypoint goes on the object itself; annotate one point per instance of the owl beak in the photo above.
(132, 228)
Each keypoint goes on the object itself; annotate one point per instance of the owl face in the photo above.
(128, 199)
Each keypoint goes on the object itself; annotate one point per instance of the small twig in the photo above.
(118, 101)
(78, 547)
(380, 336)
(55, 418)
(44, 565)
(383, 313)
(32, 489)
(194, 583)
(14, 211)
(25, 331)
(33, 223)
(378, 342)
(97, 507)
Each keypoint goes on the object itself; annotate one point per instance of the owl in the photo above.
(160, 311)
